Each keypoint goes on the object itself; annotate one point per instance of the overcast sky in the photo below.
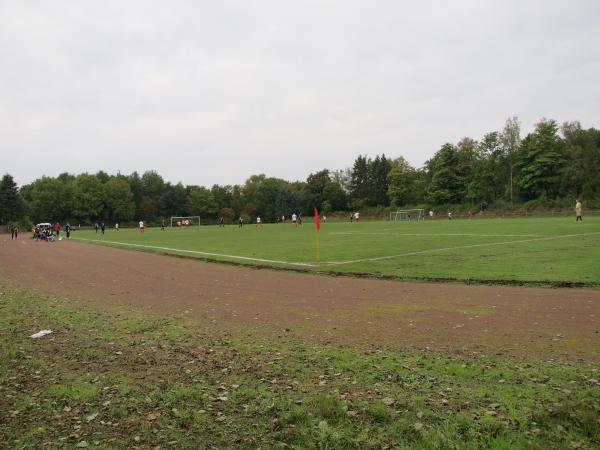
(211, 92)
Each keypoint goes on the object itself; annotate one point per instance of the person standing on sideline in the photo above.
(57, 229)
(103, 227)
(14, 231)
(117, 226)
(141, 226)
(578, 208)
(68, 230)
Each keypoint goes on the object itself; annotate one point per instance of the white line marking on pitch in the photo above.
(435, 234)
(245, 258)
(337, 263)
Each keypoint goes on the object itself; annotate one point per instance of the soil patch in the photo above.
(332, 309)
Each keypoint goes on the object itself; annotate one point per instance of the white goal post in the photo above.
(186, 221)
(407, 214)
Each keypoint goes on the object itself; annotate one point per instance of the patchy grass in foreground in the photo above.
(119, 379)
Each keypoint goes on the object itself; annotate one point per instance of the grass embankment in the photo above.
(548, 251)
(119, 379)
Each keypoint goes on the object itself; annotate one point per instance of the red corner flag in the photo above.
(317, 222)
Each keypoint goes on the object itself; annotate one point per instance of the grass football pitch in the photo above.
(552, 251)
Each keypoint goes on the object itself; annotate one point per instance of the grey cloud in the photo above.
(212, 92)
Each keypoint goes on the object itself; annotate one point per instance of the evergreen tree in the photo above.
(378, 183)
(445, 184)
(541, 162)
(488, 177)
(582, 168)
(11, 203)
(359, 182)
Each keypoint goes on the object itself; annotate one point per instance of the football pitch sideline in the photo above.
(555, 251)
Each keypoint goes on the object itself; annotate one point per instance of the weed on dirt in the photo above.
(122, 379)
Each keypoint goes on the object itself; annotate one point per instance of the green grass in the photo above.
(128, 383)
(517, 251)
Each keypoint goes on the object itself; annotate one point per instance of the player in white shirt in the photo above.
(294, 219)
(141, 226)
(258, 222)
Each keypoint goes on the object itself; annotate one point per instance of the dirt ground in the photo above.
(362, 312)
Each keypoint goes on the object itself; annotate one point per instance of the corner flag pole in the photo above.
(318, 227)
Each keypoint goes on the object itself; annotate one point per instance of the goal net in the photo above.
(407, 214)
(187, 221)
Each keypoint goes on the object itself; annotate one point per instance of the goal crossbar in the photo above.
(407, 214)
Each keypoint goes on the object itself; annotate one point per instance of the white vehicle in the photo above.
(43, 231)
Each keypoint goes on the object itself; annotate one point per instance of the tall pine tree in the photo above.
(11, 203)
(541, 162)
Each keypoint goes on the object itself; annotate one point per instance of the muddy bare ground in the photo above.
(337, 310)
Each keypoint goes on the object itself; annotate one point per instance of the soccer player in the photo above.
(103, 227)
(117, 226)
(356, 216)
(240, 222)
(431, 213)
(294, 219)
(57, 229)
(258, 222)
(141, 226)
(449, 215)
(162, 226)
(578, 208)
(222, 222)
(68, 230)
(14, 232)
(96, 227)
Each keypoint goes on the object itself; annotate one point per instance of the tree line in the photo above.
(551, 166)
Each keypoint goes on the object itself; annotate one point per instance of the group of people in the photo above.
(46, 232)
(296, 220)
(484, 207)
(49, 232)
(100, 226)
